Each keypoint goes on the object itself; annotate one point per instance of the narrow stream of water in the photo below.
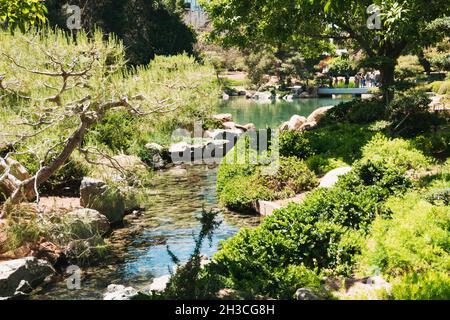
(140, 249)
(178, 198)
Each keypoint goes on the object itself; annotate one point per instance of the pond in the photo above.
(272, 114)
(139, 250)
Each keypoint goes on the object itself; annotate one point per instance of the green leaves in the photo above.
(22, 13)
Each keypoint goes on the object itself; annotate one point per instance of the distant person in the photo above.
(347, 80)
(336, 82)
(357, 80)
(363, 80)
(368, 80)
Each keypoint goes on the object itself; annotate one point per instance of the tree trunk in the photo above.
(424, 62)
(27, 188)
(388, 80)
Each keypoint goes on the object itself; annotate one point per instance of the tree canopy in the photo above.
(308, 24)
(147, 27)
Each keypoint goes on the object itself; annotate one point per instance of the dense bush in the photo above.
(356, 111)
(240, 185)
(116, 130)
(440, 87)
(398, 153)
(434, 144)
(339, 141)
(147, 28)
(414, 239)
(324, 233)
(431, 285)
(410, 116)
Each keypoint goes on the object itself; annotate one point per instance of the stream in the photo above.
(178, 197)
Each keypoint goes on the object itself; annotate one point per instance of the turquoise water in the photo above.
(139, 250)
(272, 114)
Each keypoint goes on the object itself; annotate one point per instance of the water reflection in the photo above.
(272, 114)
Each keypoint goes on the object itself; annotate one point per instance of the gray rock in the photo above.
(157, 155)
(318, 114)
(224, 117)
(20, 276)
(332, 177)
(159, 284)
(305, 294)
(86, 223)
(296, 122)
(97, 195)
(119, 292)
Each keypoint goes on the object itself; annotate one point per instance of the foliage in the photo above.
(435, 144)
(239, 185)
(116, 130)
(249, 24)
(147, 28)
(397, 153)
(356, 111)
(408, 67)
(27, 227)
(409, 114)
(440, 87)
(22, 14)
(341, 66)
(441, 62)
(414, 239)
(324, 233)
(431, 285)
(187, 282)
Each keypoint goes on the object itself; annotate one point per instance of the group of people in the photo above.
(367, 80)
(361, 80)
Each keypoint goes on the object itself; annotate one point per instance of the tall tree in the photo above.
(147, 27)
(403, 25)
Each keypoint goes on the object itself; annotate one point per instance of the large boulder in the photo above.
(318, 114)
(97, 195)
(159, 284)
(224, 117)
(86, 223)
(296, 122)
(119, 292)
(18, 277)
(332, 177)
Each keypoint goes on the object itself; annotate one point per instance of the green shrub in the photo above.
(410, 116)
(397, 153)
(118, 131)
(238, 186)
(432, 285)
(414, 239)
(321, 164)
(339, 141)
(291, 178)
(294, 143)
(324, 233)
(356, 111)
(240, 192)
(435, 144)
